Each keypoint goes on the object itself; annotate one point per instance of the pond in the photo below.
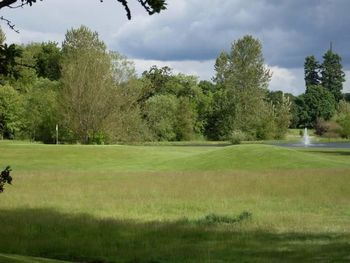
(338, 145)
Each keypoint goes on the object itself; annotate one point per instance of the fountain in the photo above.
(306, 138)
(310, 142)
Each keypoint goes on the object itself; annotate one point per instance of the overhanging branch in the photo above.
(10, 24)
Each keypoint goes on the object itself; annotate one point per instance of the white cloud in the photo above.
(287, 80)
(196, 31)
(292, 80)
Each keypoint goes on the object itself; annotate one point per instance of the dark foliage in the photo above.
(332, 74)
(48, 61)
(320, 103)
(5, 178)
(220, 219)
(8, 56)
(311, 68)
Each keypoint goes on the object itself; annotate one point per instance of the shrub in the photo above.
(343, 118)
(5, 178)
(327, 129)
(221, 219)
(237, 137)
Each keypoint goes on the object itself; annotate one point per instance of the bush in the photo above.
(345, 127)
(327, 129)
(222, 219)
(5, 178)
(237, 137)
(343, 118)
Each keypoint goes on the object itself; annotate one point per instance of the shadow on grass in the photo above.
(82, 238)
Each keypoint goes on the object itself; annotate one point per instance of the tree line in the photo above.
(95, 96)
(323, 106)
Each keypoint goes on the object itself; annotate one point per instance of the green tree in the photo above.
(222, 68)
(311, 71)
(87, 95)
(41, 111)
(11, 112)
(126, 124)
(82, 39)
(8, 61)
(158, 79)
(123, 69)
(283, 116)
(216, 127)
(205, 105)
(244, 79)
(301, 116)
(161, 117)
(342, 117)
(25, 66)
(186, 117)
(320, 103)
(332, 74)
(48, 61)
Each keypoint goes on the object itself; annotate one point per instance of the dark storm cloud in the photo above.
(200, 29)
(197, 30)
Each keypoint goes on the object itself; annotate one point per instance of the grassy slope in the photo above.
(128, 203)
(166, 158)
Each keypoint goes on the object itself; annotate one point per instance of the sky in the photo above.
(190, 34)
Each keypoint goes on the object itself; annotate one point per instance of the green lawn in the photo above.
(149, 203)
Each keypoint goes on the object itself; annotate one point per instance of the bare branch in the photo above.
(127, 9)
(10, 24)
(151, 7)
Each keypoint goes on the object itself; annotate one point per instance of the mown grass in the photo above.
(146, 203)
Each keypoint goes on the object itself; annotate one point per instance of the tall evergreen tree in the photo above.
(311, 71)
(332, 74)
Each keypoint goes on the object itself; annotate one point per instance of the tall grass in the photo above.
(146, 204)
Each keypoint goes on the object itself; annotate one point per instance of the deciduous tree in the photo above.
(88, 89)
(244, 78)
(320, 103)
(11, 112)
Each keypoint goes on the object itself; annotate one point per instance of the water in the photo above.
(306, 138)
(306, 142)
(335, 145)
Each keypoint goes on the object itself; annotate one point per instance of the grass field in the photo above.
(151, 204)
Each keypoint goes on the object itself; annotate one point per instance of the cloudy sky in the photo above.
(191, 33)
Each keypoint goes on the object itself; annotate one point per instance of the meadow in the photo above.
(175, 203)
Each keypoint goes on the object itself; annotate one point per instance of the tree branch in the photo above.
(151, 7)
(10, 24)
(127, 9)
(7, 3)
